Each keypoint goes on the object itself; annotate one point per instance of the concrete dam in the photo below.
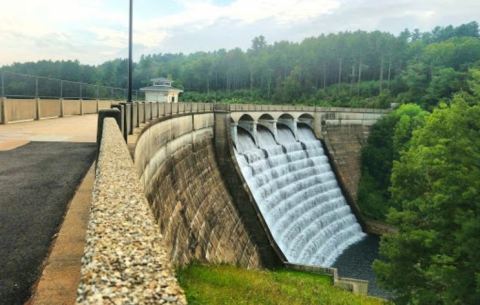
(256, 186)
(250, 188)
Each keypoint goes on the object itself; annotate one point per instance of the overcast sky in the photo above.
(94, 31)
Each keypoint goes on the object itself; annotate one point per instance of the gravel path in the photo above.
(36, 183)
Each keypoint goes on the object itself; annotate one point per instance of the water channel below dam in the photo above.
(300, 199)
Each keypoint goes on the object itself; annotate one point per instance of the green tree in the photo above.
(445, 82)
(474, 82)
(388, 138)
(434, 258)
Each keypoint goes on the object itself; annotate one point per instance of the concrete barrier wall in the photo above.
(161, 109)
(175, 161)
(135, 115)
(154, 110)
(168, 109)
(50, 108)
(71, 107)
(141, 112)
(104, 104)
(2, 113)
(20, 110)
(148, 111)
(89, 106)
(125, 259)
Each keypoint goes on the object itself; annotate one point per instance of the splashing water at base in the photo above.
(298, 195)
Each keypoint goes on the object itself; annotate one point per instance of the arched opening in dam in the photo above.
(297, 192)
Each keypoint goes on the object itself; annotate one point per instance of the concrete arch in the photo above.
(249, 123)
(266, 116)
(290, 121)
(306, 118)
(286, 116)
(240, 129)
(268, 130)
(238, 116)
(245, 117)
(268, 121)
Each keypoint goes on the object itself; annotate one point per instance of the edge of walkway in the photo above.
(60, 277)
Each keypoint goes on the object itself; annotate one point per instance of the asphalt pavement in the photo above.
(37, 181)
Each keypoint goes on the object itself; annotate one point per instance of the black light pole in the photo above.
(130, 68)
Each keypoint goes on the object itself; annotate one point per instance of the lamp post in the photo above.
(130, 66)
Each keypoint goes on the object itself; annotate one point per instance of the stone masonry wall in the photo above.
(175, 159)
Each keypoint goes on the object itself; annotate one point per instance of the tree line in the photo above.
(358, 68)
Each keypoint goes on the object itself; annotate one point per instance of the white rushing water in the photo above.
(298, 194)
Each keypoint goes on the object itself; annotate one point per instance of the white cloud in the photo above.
(96, 30)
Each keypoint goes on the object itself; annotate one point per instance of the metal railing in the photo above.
(17, 85)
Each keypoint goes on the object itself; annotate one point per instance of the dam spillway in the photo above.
(297, 194)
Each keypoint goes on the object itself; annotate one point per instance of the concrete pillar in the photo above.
(275, 130)
(2, 110)
(37, 108)
(62, 109)
(317, 124)
(254, 131)
(106, 113)
(81, 107)
(295, 129)
(234, 131)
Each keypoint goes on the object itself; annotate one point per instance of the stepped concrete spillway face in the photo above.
(176, 162)
(293, 184)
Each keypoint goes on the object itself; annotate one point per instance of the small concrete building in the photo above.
(161, 91)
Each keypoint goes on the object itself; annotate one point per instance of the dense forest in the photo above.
(370, 69)
(434, 258)
(420, 167)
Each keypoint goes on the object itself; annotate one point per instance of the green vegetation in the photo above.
(435, 256)
(212, 285)
(361, 69)
(388, 138)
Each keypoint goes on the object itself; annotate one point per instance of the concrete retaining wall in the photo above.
(104, 104)
(89, 106)
(71, 107)
(50, 108)
(197, 217)
(20, 110)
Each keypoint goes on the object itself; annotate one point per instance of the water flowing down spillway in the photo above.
(298, 194)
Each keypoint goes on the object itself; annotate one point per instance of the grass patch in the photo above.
(228, 285)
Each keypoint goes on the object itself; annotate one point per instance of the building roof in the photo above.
(160, 88)
(161, 79)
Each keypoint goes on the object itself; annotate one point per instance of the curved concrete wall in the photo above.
(175, 160)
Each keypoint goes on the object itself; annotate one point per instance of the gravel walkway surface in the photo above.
(36, 183)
